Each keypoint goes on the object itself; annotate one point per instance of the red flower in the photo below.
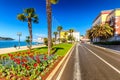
(18, 54)
(12, 58)
(28, 52)
(10, 55)
(45, 58)
(31, 56)
(35, 65)
(17, 61)
(37, 59)
(24, 65)
(27, 67)
(24, 60)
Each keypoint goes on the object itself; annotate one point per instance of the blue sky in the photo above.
(76, 14)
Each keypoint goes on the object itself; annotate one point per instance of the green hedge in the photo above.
(108, 43)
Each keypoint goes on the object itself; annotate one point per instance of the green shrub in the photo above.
(46, 42)
(64, 40)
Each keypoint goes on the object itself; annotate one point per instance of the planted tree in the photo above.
(102, 31)
(65, 35)
(71, 34)
(59, 29)
(55, 33)
(28, 16)
(28, 42)
(49, 21)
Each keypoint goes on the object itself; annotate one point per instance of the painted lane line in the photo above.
(77, 74)
(64, 66)
(107, 49)
(118, 71)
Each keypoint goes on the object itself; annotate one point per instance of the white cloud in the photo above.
(40, 35)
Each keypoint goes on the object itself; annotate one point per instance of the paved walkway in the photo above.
(12, 49)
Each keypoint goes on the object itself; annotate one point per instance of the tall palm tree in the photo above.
(59, 29)
(49, 21)
(71, 32)
(28, 16)
(55, 33)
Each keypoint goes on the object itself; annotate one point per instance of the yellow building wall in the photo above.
(117, 12)
(104, 16)
(62, 34)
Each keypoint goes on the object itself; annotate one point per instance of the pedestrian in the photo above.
(15, 46)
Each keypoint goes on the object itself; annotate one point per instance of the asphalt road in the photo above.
(87, 62)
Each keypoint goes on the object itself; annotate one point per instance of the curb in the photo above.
(59, 64)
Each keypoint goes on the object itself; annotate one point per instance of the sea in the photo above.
(9, 43)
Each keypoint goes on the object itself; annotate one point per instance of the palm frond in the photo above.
(21, 17)
(54, 1)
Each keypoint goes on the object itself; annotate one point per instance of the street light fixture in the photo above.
(19, 34)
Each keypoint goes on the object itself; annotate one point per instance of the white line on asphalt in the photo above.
(110, 50)
(77, 74)
(64, 66)
(118, 71)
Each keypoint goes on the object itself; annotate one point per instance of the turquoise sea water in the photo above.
(7, 44)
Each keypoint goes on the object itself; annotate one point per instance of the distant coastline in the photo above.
(6, 38)
(11, 43)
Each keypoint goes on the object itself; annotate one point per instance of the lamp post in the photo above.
(19, 34)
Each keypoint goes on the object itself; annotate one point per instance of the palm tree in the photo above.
(28, 16)
(102, 31)
(89, 34)
(55, 33)
(59, 29)
(71, 32)
(65, 34)
(49, 21)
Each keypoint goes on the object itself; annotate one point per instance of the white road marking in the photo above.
(77, 74)
(64, 66)
(110, 50)
(118, 71)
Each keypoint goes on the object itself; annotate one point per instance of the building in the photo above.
(112, 17)
(62, 34)
(76, 35)
(101, 18)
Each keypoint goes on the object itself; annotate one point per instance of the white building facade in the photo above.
(76, 35)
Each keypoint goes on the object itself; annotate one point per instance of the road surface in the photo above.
(87, 62)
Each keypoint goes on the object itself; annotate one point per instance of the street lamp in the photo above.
(19, 34)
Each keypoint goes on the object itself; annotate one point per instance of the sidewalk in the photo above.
(12, 49)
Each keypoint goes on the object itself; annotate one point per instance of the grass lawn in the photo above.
(59, 49)
(62, 49)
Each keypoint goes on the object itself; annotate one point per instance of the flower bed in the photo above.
(34, 65)
(26, 66)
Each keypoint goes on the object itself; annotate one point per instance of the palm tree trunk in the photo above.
(59, 37)
(72, 37)
(30, 32)
(55, 38)
(49, 20)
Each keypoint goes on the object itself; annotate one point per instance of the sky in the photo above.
(75, 14)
